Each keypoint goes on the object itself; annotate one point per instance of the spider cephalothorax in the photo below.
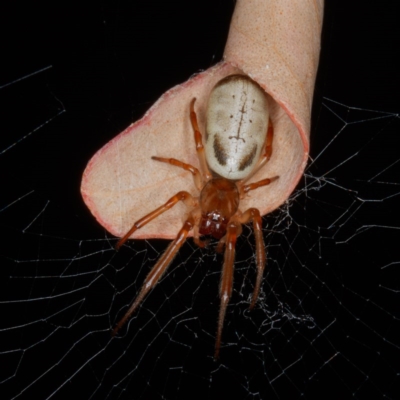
(238, 143)
(219, 200)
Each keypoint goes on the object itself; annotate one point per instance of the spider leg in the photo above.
(180, 196)
(225, 289)
(195, 172)
(202, 243)
(199, 143)
(157, 271)
(268, 145)
(254, 214)
(255, 185)
(221, 245)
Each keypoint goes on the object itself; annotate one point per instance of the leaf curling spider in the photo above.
(238, 142)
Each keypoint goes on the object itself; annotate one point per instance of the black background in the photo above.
(105, 64)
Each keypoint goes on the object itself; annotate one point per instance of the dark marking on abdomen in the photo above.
(219, 151)
(248, 159)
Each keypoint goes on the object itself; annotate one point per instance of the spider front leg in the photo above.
(225, 289)
(254, 214)
(155, 274)
(157, 271)
(229, 241)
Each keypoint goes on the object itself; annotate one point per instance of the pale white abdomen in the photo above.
(236, 126)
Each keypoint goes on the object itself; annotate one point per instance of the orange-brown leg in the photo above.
(225, 289)
(255, 185)
(221, 245)
(268, 144)
(195, 172)
(254, 214)
(202, 243)
(157, 271)
(199, 143)
(180, 196)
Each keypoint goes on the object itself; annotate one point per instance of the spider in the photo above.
(238, 142)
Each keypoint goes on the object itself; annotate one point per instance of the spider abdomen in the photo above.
(236, 126)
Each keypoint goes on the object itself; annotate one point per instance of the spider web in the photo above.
(327, 321)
